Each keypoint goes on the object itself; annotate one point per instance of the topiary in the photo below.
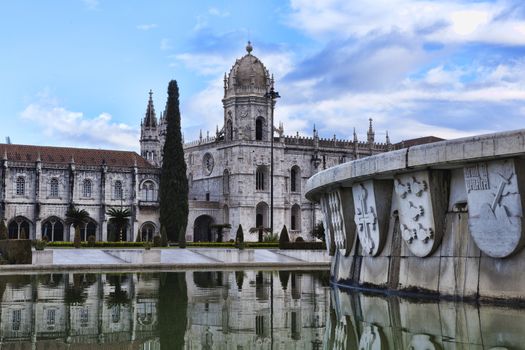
(182, 238)
(156, 241)
(299, 239)
(163, 237)
(239, 238)
(147, 245)
(91, 241)
(76, 241)
(3, 230)
(284, 237)
(40, 244)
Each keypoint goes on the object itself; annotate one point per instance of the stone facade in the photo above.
(229, 172)
(39, 184)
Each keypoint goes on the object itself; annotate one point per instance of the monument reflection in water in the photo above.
(183, 310)
(236, 310)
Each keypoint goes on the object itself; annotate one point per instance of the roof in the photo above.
(64, 155)
(418, 141)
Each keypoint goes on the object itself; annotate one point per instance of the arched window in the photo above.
(54, 188)
(117, 193)
(87, 188)
(19, 228)
(229, 130)
(261, 215)
(259, 129)
(260, 178)
(295, 179)
(88, 229)
(20, 186)
(53, 229)
(226, 182)
(147, 231)
(149, 191)
(295, 222)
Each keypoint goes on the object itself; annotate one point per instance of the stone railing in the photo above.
(441, 218)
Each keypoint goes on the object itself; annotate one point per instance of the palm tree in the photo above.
(119, 217)
(77, 217)
(261, 230)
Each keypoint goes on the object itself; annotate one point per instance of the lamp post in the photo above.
(272, 95)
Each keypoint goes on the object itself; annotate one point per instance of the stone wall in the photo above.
(443, 218)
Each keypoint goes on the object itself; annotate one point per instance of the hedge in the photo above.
(232, 244)
(16, 251)
(303, 245)
(98, 244)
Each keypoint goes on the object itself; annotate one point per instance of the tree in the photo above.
(76, 241)
(120, 218)
(3, 230)
(239, 237)
(182, 238)
(284, 238)
(173, 180)
(260, 230)
(77, 218)
(163, 237)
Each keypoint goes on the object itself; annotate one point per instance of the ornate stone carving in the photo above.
(208, 163)
(371, 339)
(372, 220)
(422, 204)
(339, 227)
(495, 206)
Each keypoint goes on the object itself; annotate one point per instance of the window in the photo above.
(229, 130)
(115, 314)
(295, 221)
(87, 188)
(259, 129)
(51, 317)
(207, 196)
(259, 325)
(226, 182)
(149, 192)
(84, 317)
(20, 186)
(118, 190)
(16, 319)
(295, 179)
(54, 188)
(260, 181)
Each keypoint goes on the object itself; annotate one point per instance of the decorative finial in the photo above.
(249, 47)
(150, 94)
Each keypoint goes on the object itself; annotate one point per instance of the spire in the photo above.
(150, 120)
(370, 133)
(355, 136)
(387, 138)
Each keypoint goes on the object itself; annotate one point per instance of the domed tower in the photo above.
(246, 109)
(149, 135)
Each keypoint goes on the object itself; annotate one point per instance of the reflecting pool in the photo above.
(236, 310)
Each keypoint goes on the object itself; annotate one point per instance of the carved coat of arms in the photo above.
(494, 207)
(421, 206)
(338, 228)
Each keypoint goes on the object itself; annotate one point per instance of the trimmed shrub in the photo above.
(76, 242)
(284, 237)
(40, 244)
(147, 245)
(163, 237)
(45, 239)
(16, 251)
(182, 238)
(239, 237)
(91, 241)
(303, 245)
(299, 239)
(3, 230)
(156, 241)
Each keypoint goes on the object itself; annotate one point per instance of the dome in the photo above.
(248, 73)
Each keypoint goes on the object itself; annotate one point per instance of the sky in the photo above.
(78, 72)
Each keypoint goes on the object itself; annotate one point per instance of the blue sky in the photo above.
(78, 72)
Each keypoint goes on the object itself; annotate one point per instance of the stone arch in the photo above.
(295, 218)
(148, 190)
(261, 214)
(147, 231)
(19, 225)
(202, 231)
(295, 179)
(54, 229)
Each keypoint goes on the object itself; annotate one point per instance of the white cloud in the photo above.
(443, 21)
(216, 12)
(165, 44)
(73, 128)
(147, 26)
(91, 4)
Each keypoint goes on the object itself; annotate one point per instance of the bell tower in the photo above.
(149, 135)
(246, 109)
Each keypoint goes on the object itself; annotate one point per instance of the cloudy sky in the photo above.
(78, 72)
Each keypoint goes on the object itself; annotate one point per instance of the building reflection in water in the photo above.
(191, 310)
(365, 321)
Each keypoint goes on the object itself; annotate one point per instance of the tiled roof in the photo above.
(64, 155)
